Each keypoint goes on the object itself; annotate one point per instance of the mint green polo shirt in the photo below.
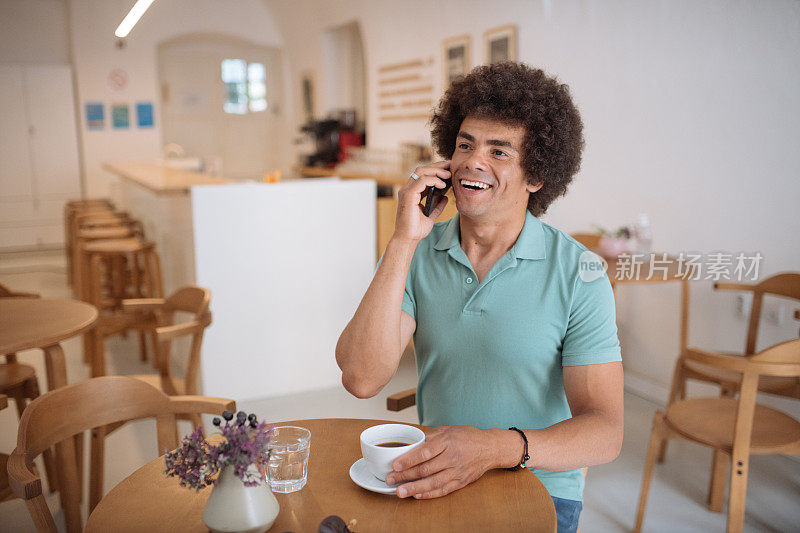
(490, 354)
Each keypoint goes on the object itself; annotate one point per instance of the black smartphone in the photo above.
(433, 195)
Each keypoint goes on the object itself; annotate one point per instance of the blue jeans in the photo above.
(567, 514)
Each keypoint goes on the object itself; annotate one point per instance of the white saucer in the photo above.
(362, 477)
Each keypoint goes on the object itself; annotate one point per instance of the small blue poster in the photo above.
(120, 118)
(144, 114)
(95, 116)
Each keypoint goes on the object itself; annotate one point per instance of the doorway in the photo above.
(345, 74)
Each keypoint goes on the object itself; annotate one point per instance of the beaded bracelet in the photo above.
(525, 456)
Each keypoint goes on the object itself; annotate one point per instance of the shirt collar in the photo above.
(530, 243)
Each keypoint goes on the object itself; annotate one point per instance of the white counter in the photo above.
(286, 263)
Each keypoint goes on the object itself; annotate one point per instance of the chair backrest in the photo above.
(64, 412)
(589, 240)
(194, 300)
(786, 285)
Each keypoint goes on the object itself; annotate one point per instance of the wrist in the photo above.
(509, 448)
(402, 243)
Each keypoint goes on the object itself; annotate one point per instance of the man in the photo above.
(508, 331)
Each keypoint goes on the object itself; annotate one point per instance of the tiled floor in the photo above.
(677, 493)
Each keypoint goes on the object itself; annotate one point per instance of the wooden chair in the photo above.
(734, 428)
(18, 381)
(785, 285)
(589, 240)
(160, 313)
(194, 300)
(53, 418)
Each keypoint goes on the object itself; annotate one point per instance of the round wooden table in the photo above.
(501, 500)
(27, 323)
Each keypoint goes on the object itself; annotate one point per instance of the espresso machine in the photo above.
(331, 137)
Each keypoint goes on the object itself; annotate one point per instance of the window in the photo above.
(245, 86)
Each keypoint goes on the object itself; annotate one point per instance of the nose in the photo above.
(476, 161)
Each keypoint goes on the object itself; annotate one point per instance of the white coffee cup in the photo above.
(379, 458)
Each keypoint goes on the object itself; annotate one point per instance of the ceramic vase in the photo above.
(233, 507)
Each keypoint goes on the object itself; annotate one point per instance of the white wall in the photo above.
(691, 115)
(92, 25)
(33, 31)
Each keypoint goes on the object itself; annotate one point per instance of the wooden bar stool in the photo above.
(84, 236)
(75, 217)
(141, 278)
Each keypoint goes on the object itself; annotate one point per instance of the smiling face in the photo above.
(488, 181)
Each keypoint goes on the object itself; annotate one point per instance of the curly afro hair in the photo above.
(518, 94)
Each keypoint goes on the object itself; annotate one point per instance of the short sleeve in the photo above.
(409, 303)
(591, 336)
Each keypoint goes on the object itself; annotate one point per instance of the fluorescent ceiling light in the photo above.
(132, 18)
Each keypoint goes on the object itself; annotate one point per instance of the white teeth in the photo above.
(477, 184)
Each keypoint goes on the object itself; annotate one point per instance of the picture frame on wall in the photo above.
(500, 44)
(307, 94)
(456, 58)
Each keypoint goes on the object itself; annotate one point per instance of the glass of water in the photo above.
(288, 460)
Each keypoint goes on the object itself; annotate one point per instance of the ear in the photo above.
(533, 188)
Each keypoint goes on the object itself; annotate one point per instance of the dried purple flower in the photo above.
(246, 448)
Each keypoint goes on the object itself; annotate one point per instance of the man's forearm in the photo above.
(369, 348)
(587, 439)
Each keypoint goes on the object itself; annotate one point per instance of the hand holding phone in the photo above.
(433, 195)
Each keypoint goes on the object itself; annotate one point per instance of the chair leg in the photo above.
(656, 434)
(96, 467)
(31, 390)
(19, 398)
(719, 465)
(68, 484)
(156, 362)
(50, 469)
(142, 346)
(719, 474)
(677, 391)
(79, 462)
(736, 500)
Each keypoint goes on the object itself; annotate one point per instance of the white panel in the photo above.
(287, 265)
(54, 144)
(17, 210)
(52, 209)
(15, 163)
(11, 238)
(51, 235)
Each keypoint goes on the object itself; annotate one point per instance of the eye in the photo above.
(463, 146)
(500, 153)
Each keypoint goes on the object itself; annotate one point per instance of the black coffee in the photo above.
(392, 444)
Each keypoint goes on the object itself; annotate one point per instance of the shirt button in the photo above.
(469, 280)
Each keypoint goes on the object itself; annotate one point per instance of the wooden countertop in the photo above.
(380, 178)
(161, 179)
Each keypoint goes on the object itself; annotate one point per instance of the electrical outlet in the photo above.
(776, 313)
(742, 305)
